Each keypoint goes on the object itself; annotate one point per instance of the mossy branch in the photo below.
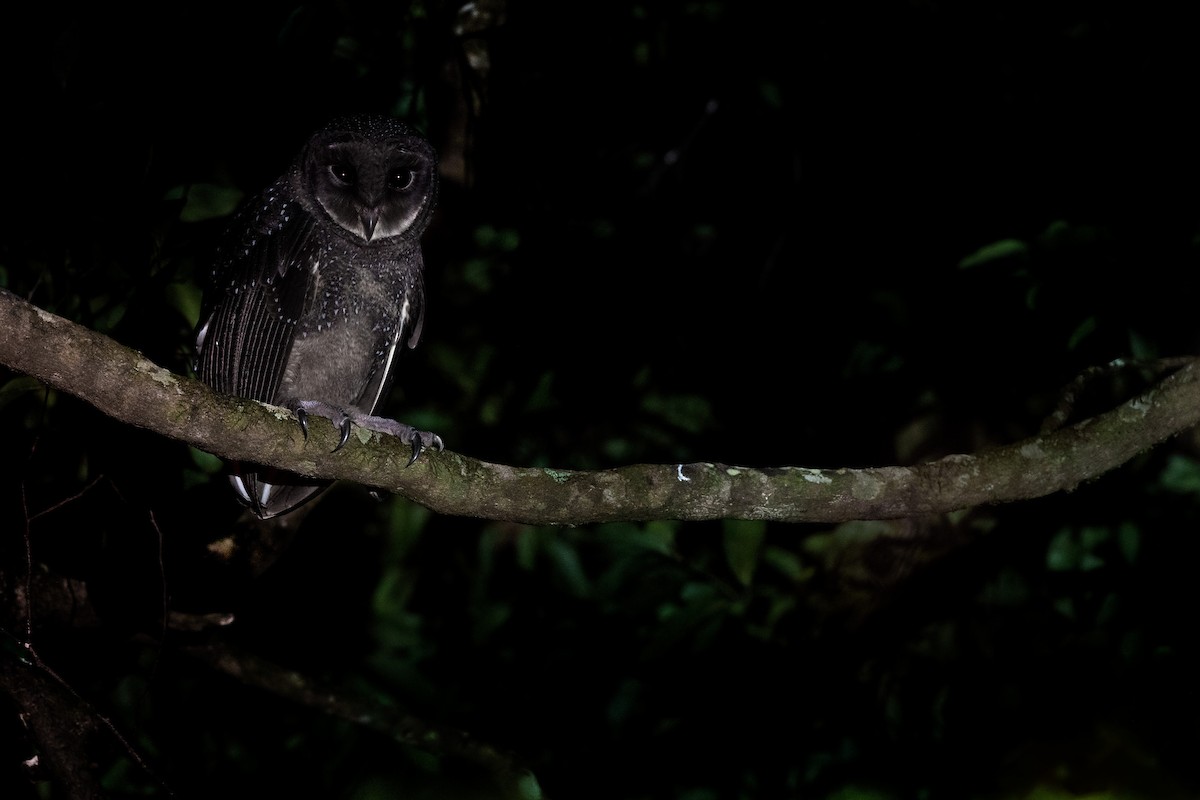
(128, 387)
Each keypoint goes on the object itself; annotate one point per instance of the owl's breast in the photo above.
(354, 317)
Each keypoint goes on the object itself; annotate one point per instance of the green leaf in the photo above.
(477, 272)
(1129, 540)
(743, 542)
(1081, 332)
(1181, 475)
(204, 201)
(1072, 549)
(207, 462)
(1005, 248)
(790, 565)
(1140, 348)
(489, 237)
(689, 412)
(185, 298)
(1064, 551)
(567, 564)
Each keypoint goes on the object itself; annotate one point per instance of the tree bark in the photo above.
(127, 386)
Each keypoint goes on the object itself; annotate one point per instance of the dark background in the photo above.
(756, 233)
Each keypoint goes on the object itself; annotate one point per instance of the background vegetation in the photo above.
(810, 234)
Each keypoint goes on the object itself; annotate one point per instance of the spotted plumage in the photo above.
(317, 288)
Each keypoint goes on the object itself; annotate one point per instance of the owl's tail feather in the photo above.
(271, 492)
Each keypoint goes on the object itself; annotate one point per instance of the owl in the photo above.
(318, 287)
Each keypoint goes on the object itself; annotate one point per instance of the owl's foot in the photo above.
(344, 418)
(416, 439)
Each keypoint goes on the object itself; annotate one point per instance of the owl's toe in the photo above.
(420, 440)
(345, 418)
(340, 418)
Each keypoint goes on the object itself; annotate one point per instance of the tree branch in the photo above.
(127, 386)
(58, 723)
(512, 779)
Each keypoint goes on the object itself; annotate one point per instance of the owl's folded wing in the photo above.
(259, 290)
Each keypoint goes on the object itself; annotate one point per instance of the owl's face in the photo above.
(376, 183)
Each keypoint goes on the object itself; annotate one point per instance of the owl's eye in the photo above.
(400, 179)
(343, 173)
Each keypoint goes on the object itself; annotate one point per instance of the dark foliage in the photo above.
(824, 235)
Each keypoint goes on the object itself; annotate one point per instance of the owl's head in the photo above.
(374, 176)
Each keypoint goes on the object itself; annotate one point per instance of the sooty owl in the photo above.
(317, 289)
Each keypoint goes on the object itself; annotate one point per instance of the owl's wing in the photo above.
(259, 290)
(410, 321)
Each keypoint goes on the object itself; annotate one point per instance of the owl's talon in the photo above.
(345, 434)
(302, 415)
(419, 443)
(417, 447)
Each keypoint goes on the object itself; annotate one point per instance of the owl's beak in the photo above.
(369, 218)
